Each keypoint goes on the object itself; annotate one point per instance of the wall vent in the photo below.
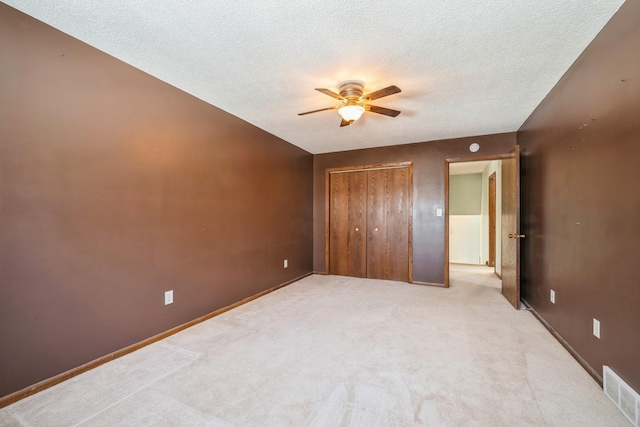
(625, 398)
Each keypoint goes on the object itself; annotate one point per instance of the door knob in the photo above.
(357, 229)
(516, 236)
(376, 228)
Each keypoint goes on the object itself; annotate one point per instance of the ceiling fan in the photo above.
(355, 102)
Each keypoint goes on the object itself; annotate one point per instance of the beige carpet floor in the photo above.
(339, 351)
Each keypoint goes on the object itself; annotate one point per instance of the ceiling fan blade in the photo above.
(315, 111)
(382, 110)
(344, 123)
(383, 92)
(330, 93)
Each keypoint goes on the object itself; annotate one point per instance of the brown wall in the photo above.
(428, 193)
(581, 200)
(115, 187)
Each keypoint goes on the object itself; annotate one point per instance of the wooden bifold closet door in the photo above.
(369, 223)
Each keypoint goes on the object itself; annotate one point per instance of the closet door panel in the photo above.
(377, 249)
(357, 233)
(388, 224)
(347, 231)
(397, 232)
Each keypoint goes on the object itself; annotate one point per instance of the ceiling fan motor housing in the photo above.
(352, 90)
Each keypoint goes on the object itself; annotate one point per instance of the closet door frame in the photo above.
(327, 207)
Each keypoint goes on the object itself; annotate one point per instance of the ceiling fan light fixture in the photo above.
(351, 113)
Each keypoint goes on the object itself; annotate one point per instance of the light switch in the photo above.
(438, 212)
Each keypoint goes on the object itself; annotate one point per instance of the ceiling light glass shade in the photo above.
(351, 112)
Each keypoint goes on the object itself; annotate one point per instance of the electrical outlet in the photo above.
(286, 263)
(553, 296)
(596, 328)
(168, 297)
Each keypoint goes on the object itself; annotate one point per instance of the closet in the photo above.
(369, 222)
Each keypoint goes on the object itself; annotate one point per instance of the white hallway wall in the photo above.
(465, 219)
(465, 239)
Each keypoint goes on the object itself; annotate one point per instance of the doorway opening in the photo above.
(473, 215)
(481, 221)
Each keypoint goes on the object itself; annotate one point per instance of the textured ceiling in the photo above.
(465, 67)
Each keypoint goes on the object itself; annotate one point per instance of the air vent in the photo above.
(625, 398)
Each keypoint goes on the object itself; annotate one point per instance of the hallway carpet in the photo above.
(341, 351)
